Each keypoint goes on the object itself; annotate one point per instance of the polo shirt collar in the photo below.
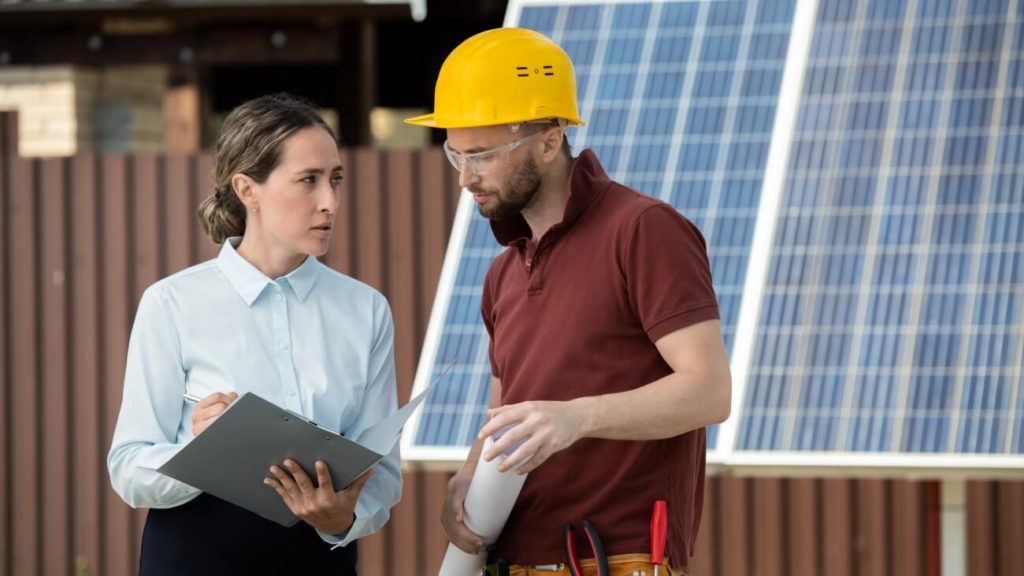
(249, 282)
(587, 181)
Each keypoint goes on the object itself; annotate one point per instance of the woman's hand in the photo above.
(209, 408)
(319, 506)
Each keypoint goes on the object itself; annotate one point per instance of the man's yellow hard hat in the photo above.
(503, 76)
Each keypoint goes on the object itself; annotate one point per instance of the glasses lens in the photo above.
(454, 157)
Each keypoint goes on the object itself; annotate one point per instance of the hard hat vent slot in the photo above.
(524, 71)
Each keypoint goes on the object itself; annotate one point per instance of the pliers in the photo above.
(595, 545)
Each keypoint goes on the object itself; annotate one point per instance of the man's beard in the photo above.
(520, 191)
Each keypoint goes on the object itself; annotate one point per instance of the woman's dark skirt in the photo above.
(208, 536)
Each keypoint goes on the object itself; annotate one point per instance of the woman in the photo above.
(267, 317)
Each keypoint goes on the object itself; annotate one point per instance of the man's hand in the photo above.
(453, 514)
(537, 430)
(209, 408)
(321, 507)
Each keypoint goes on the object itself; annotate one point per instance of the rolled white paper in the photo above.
(488, 503)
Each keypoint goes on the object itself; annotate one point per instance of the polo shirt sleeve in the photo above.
(667, 272)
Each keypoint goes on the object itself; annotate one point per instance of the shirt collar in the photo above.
(303, 278)
(249, 282)
(587, 181)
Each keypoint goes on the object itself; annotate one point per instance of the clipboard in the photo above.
(233, 455)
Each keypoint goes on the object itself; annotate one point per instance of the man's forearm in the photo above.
(698, 392)
(667, 407)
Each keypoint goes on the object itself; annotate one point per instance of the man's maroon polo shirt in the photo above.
(576, 315)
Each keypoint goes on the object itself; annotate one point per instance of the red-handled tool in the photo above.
(659, 530)
(596, 547)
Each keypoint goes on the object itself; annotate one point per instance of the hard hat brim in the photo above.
(423, 120)
(430, 121)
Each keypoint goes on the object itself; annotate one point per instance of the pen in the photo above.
(190, 397)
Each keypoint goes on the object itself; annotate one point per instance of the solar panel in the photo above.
(855, 166)
(890, 314)
(680, 100)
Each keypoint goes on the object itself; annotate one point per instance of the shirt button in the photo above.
(279, 297)
(284, 345)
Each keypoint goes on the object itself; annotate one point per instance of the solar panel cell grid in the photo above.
(888, 221)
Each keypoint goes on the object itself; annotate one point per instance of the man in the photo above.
(605, 339)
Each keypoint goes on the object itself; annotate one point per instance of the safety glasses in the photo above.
(482, 162)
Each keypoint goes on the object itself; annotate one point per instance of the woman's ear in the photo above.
(244, 188)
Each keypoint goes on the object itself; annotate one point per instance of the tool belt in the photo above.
(599, 564)
(618, 565)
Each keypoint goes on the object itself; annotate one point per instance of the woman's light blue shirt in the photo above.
(316, 342)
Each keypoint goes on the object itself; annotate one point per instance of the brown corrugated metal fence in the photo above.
(82, 237)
